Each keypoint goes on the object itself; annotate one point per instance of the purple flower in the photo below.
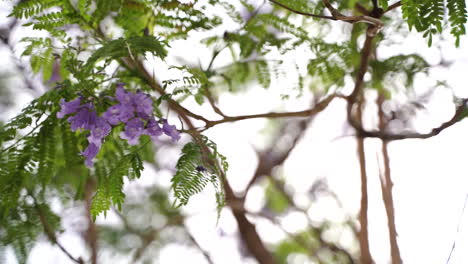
(90, 152)
(170, 131)
(153, 129)
(120, 85)
(126, 112)
(100, 131)
(143, 104)
(133, 130)
(68, 107)
(112, 115)
(85, 118)
(122, 96)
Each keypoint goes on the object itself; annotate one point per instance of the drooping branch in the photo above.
(459, 115)
(49, 232)
(386, 185)
(366, 257)
(301, 12)
(393, 6)
(91, 234)
(205, 253)
(355, 102)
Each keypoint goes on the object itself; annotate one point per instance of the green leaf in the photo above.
(131, 47)
(199, 164)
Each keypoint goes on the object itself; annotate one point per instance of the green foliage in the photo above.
(199, 164)
(406, 66)
(301, 5)
(27, 167)
(194, 83)
(104, 7)
(114, 165)
(263, 73)
(457, 18)
(383, 4)
(26, 9)
(131, 47)
(286, 249)
(41, 55)
(332, 63)
(275, 200)
(25, 224)
(427, 16)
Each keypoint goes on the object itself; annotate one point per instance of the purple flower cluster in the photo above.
(135, 110)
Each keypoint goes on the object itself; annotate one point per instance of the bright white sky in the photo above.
(430, 176)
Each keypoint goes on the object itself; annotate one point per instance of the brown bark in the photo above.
(355, 99)
(247, 230)
(386, 185)
(366, 257)
(91, 235)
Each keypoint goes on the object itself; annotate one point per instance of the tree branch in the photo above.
(336, 15)
(366, 257)
(355, 99)
(305, 113)
(91, 233)
(459, 115)
(247, 230)
(268, 159)
(198, 246)
(300, 12)
(48, 230)
(393, 6)
(386, 186)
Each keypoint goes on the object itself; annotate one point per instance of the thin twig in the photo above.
(205, 253)
(459, 115)
(393, 6)
(305, 113)
(458, 229)
(48, 230)
(301, 12)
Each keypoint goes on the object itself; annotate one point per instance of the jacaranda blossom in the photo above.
(89, 153)
(143, 105)
(153, 129)
(85, 118)
(68, 107)
(100, 131)
(133, 130)
(135, 110)
(170, 131)
(123, 96)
